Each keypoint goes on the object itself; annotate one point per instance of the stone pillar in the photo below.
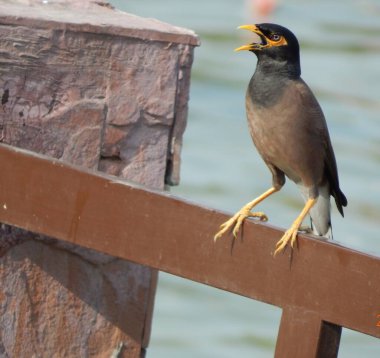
(108, 91)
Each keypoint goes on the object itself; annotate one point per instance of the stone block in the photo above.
(106, 90)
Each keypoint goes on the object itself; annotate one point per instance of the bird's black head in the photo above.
(278, 49)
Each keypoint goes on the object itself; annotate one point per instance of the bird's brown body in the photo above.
(289, 130)
(277, 141)
(294, 142)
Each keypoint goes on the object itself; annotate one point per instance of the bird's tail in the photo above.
(320, 213)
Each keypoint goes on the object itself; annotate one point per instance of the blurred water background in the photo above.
(340, 58)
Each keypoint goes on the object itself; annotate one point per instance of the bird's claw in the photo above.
(290, 235)
(223, 229)
(260, 215)
(236, 221)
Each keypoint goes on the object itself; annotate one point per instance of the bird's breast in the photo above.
(284, 137)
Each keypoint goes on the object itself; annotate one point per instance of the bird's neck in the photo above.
(269, 82)
(286, 69)
(271, 78)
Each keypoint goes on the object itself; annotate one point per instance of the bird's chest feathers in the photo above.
(267, 100)
(273, 126)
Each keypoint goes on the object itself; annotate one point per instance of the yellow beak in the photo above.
(252, 28)
(256, 30)
(244, 48)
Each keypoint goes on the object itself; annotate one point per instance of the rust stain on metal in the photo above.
(80, 202)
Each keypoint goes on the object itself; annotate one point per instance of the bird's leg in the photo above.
(291, 233)
(236, 221)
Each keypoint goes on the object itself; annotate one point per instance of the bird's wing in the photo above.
(319, 123)
(333, 179)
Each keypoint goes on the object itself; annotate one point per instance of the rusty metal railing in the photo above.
(321, 287)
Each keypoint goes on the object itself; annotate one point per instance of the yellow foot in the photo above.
(236, 221)
(290, 235)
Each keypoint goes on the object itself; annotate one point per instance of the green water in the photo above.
(340, 52)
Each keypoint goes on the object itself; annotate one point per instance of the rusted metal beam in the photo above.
(340, 285)
(303, 333)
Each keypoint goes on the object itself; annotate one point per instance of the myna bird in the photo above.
(289, 130)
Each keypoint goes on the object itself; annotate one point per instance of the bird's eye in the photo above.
(275, 37)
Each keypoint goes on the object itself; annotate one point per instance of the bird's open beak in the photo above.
(254, 45)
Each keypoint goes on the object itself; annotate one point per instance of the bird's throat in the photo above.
(265, 90)
(276, 68)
